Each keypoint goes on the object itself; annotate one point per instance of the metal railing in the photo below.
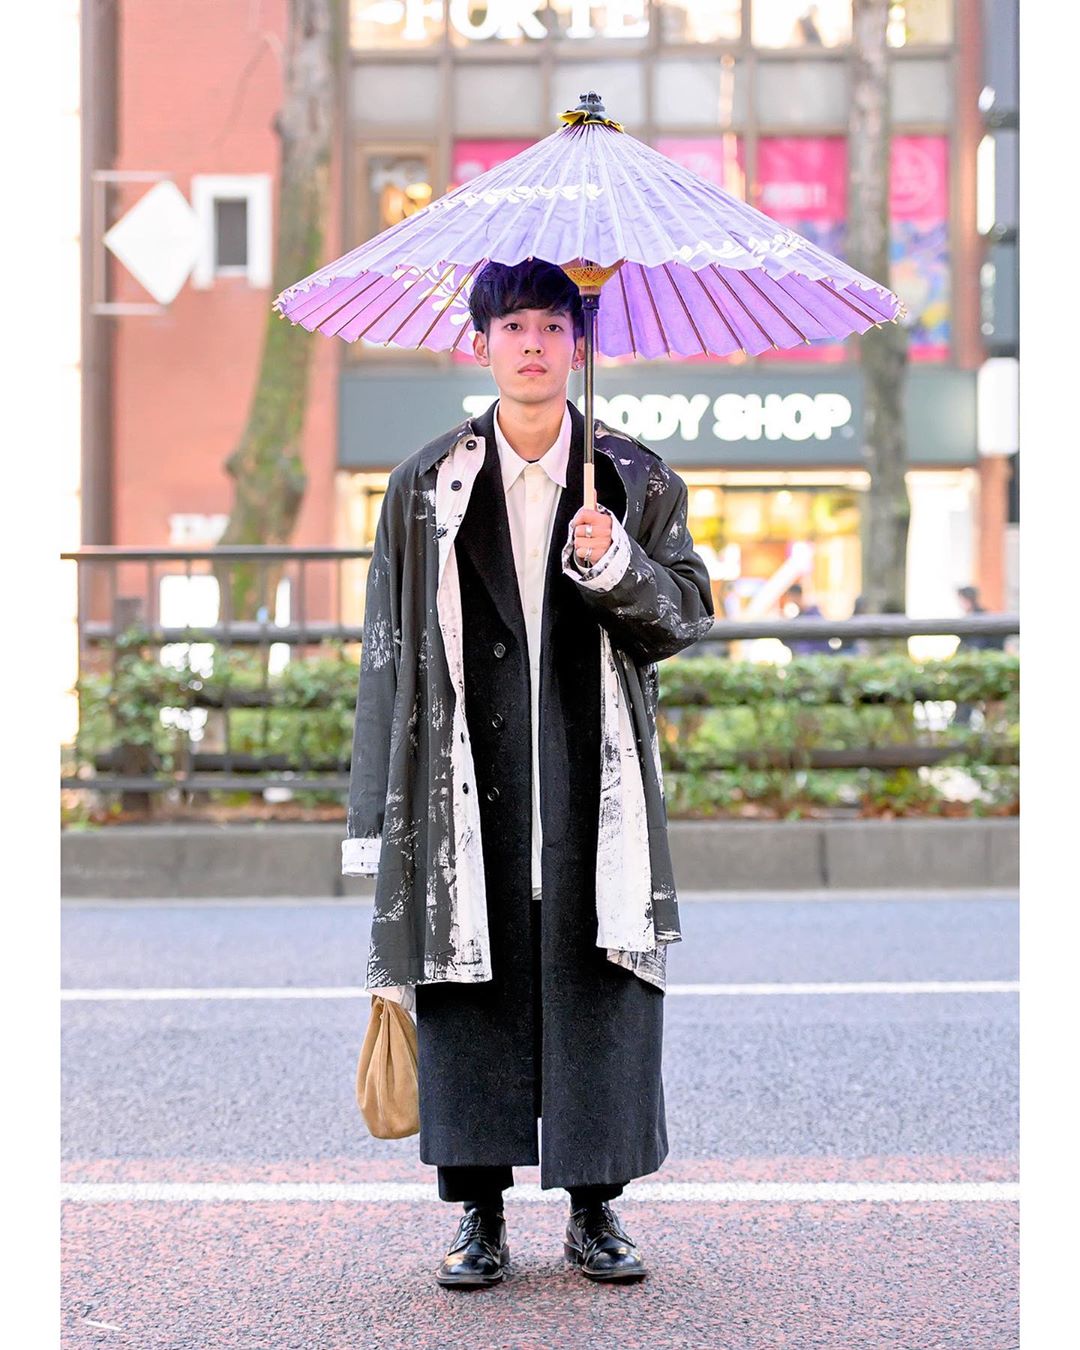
(120, 594)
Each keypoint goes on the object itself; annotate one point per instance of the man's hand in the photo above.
(592, 535)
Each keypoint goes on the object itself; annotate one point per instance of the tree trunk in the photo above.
(883, 349)
(267, 465)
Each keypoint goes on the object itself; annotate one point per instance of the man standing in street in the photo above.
(506, 784)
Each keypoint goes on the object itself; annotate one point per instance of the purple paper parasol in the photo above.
(668, 263)
(702, 272)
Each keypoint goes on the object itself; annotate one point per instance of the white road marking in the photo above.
(693, 990)
(855, 987)
(710, 1192)
(791, 897)
(849, 896)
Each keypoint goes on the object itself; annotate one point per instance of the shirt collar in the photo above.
(553, 461)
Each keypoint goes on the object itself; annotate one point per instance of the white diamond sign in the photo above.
(158, 241)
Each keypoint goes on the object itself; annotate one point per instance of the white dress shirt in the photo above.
(533, 489)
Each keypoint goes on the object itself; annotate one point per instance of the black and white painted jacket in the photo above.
(409, 822)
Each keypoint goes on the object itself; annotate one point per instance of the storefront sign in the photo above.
(506, 20)
(728, 417)
(693, 417)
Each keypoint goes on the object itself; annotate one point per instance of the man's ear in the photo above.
(579, 350)
(479, 346)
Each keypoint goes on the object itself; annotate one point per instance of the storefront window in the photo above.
(793, 23)
(359, 503)
(395, 97)
(920, 91)
(621, 85)
(397, 186)
(700, 20)
(699, 93)
(493, 98)
(803, 93)
(756, 541)
(920, 21)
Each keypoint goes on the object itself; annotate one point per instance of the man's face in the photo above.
(530, 353)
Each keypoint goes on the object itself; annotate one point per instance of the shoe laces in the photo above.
(595, 1221)
(473, 1225)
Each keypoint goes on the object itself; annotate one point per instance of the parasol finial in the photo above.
(589, 110)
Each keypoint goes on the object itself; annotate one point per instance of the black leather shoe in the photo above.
(598, 1244)
(479, 1253)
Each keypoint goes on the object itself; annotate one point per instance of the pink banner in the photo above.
(919, 241)
(474, 157)
(803, 184)
(716, 158)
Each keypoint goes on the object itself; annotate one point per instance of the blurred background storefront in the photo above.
(755, 97)
(753, 94)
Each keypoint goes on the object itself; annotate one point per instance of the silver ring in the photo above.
(588, 531)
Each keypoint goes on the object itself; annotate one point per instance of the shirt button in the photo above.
(464, 787)
(455, 485)
(493, 794)
(470, 445)
(499, 649)
(496, 720)
(440, 532)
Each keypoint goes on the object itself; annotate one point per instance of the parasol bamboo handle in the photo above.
(588, 278)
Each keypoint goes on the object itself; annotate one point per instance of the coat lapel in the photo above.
(485, 532)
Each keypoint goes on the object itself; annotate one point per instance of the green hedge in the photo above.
(713, 712)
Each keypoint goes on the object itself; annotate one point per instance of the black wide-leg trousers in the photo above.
(485, 1185)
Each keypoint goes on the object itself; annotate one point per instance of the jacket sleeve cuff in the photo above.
(607, 571)
(405, 994)
(360, 857)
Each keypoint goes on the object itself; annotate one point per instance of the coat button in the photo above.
(455, 485)
(493, 794)
(499, 649)
(496, 720)
(470, 445)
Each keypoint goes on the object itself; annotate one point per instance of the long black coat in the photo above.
(597, 1081)
(439, 806)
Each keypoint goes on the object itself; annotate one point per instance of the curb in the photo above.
(260, 861)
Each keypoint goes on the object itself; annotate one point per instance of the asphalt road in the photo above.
(842, 1167)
